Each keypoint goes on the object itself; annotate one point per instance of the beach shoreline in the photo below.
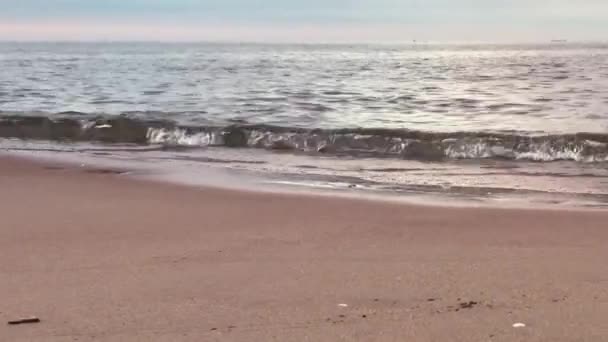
(97, 255)
(216, 169)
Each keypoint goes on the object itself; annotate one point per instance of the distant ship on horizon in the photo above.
(559, 41)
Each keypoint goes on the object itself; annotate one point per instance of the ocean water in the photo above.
(482, 122)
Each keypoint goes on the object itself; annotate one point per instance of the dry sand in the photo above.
(99, 256)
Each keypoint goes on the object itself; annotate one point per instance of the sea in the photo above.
(476, 124)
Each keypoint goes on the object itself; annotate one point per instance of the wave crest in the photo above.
(358, 142)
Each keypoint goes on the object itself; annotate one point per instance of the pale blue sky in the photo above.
(310, 20)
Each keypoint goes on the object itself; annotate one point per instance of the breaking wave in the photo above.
(352, 142)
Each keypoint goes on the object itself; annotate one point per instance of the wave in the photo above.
(353, 142)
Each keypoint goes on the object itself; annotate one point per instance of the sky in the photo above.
(305, 21)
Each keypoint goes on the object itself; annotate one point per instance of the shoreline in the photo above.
(98, 256)
(222, 178)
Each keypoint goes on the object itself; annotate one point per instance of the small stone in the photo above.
(519, 325)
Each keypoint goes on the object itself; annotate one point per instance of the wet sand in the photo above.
(99, 256)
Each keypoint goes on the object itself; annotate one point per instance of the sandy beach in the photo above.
(99, 256)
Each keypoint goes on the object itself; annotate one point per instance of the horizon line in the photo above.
(308, 42)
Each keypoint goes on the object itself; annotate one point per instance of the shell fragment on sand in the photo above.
(519, 325)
